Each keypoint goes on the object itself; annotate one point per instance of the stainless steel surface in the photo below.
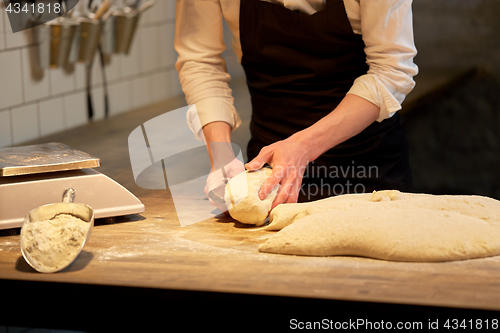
(75, 46)
(90, 36)
(108, 35)
(41, 35)
(47, 212)
(49, 157)
(61, 39)
(125, 26)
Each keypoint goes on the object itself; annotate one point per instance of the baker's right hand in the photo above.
(217, 136)
(216, 179)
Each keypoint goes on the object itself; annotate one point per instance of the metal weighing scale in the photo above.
(32, 176)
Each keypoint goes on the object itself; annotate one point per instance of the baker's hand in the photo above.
(289, 159)
(216, 179)
(217, 137)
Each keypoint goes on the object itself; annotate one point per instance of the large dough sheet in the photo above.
(385, 225)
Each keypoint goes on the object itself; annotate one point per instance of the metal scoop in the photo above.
(48, 212)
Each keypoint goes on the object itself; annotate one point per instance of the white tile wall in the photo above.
(119, 96)
(80, 76)
(25, 123)
(168, 54)
(2, 29)
(158, 14)
(11, 86)
(150, 52)
(18, 39)
(169, 10)
(36, 102)
(159, 86)
(96, 76)
(98, 103)
(140, 91)
(5, 129)
(131, 63)
(114, 67)
(62, 80)
(75, 109)
(35, 80)
(51, 116)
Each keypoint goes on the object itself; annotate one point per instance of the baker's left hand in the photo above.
(289, 159)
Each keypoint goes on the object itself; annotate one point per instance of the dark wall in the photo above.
(453, 115)
(457, 34)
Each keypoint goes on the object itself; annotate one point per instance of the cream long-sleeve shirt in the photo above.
(386, 27)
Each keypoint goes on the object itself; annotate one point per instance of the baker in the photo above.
(326, 79)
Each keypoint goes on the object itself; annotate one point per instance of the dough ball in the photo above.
(242, 197)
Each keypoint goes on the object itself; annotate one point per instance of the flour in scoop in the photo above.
(53, 244)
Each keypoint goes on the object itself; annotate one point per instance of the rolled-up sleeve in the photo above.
(387, 30)
(199, 43)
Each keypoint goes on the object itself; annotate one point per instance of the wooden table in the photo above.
(146, 268)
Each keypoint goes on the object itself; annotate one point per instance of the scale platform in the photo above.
(32, 176)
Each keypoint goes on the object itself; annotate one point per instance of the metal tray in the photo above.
(47, 157)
